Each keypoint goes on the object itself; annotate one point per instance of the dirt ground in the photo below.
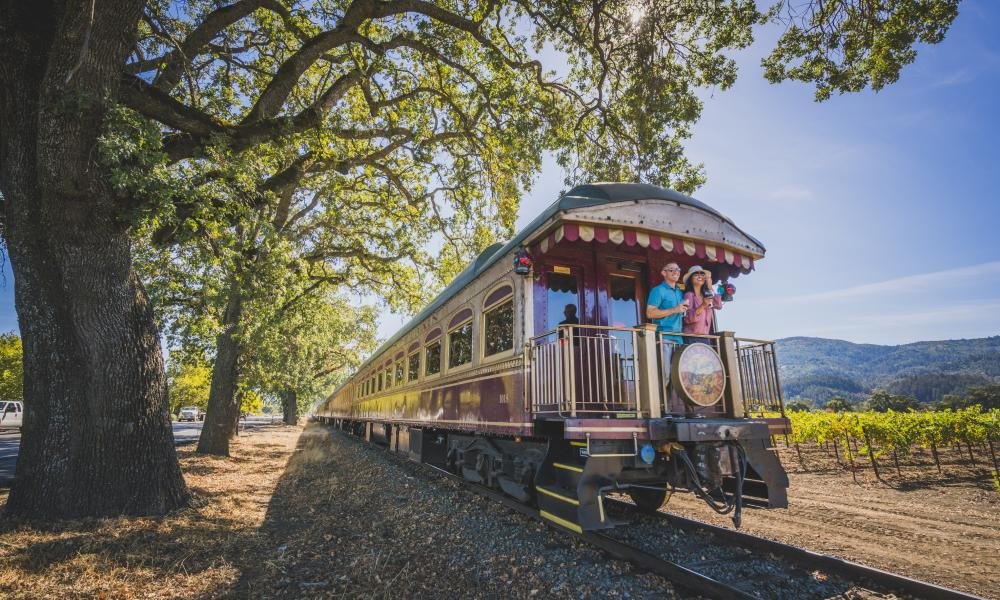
(199, 552)
(944, 529)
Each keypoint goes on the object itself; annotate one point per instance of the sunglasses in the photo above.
(671, 270)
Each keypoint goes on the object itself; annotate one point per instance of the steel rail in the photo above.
(812, 560)
(671, 571)
(692, 580)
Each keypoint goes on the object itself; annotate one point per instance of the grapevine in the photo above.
(895, 434)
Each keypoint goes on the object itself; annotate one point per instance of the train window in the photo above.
(432, 359)
(624, 305)
(460, 345)
(379, 388)
(497, 295)
(388, 378)
(371, 386)
(413, 367)
(499, 329)
(399, 373)
(562, 289)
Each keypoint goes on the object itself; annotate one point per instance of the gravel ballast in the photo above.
(348, 519)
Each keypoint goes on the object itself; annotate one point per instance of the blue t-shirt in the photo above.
(663, 297)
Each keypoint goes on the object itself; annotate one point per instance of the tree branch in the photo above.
(160, 106)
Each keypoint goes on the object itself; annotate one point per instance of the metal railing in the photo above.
(580, 370)
(589, 370)
(673, 404)
(759, 383)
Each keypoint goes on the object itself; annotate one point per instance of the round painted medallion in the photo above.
(698, 375)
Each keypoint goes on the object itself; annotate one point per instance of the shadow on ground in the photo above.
(194, 552)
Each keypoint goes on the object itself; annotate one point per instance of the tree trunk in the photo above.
(934, 453)
(871, 453)
(993, 455)
(96, 439)
(850, 457)
(223, 414)
(290, 407)
(972, 457)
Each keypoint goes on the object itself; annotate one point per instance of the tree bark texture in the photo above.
(290, 408)
(223, 414)
(97, 439)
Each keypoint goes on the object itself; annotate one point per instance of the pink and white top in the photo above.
(700, 323)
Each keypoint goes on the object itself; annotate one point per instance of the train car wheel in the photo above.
(646, 498)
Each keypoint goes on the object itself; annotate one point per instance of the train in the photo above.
(537, 373)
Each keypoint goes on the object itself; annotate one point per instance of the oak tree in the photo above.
(372, 74)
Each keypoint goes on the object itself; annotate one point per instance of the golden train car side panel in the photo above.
(535, 370)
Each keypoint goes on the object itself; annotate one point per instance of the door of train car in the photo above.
(564, 298)
(622, 303)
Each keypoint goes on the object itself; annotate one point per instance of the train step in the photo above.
(569, 488)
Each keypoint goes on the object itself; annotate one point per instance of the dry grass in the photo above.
(197, 552)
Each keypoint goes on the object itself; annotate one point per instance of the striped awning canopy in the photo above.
(644, 239)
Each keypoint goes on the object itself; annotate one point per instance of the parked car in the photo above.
(190, 413)
(11, 414)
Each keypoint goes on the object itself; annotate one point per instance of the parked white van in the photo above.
(11, 413)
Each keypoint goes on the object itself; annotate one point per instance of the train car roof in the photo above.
(581, 196)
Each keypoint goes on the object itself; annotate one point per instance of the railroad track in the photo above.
(790, 563)
(757, 564)
(722, 563)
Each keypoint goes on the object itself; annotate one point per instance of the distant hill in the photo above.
(819, 368)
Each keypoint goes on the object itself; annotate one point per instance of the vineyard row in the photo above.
(875, 434)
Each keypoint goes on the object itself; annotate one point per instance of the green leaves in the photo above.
(11, 367)
(189, 377)
(287, 150)
(847, 45)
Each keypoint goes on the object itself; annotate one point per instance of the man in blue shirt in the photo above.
(666, 306)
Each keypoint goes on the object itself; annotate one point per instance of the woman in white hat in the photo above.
(702, 303)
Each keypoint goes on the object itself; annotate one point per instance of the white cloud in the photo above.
(955, 313)
(902, 285)
(959, 77)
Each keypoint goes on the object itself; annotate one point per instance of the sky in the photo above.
(879, 211)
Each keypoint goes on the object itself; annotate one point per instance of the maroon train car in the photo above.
(493, 380)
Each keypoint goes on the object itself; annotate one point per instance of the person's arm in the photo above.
(655, 313)
(716, 299)
(692, 312)
(652, 304)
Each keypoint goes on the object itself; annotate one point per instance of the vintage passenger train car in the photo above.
(497, 379)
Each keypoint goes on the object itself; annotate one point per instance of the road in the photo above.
(184, 433)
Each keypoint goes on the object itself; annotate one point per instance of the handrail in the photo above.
(673, 404)
(754, 341)
(759, 379)
(586, 370)
(595, 370)
(597, 327)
